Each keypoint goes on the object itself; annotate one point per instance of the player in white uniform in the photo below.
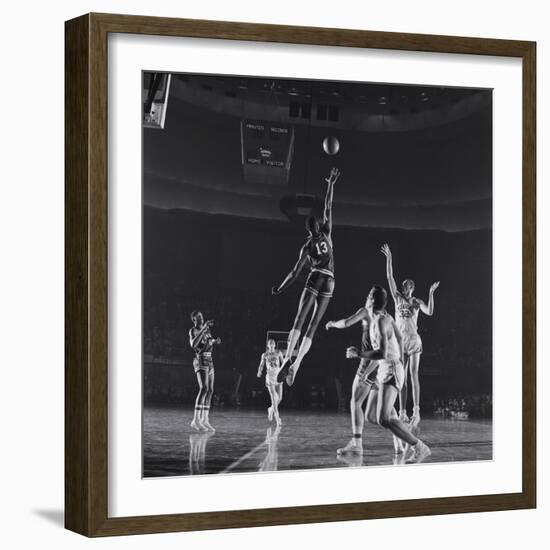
(362, 383)
(272, 360)
(380, 375)
(407, 308)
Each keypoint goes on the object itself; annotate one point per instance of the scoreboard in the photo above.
(266, 150)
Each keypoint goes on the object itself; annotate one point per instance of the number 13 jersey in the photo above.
(321, 254)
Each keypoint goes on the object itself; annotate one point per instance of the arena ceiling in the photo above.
(411, 156)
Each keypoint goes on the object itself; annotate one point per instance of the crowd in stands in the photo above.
(465, 406)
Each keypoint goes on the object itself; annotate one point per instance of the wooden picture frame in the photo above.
(86, 359)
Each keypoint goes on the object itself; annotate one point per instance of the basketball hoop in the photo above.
(298, 207)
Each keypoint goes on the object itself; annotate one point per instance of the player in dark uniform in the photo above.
(202, 342)
(317, 254)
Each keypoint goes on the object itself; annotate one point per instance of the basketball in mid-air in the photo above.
(331, 145)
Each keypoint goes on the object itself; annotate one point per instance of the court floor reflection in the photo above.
(197, 452)
(245, 442)
(271, 460)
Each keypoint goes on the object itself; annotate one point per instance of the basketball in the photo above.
(331, 145)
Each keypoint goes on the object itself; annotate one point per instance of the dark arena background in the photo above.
(231, 167)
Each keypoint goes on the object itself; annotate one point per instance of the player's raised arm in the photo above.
(359, 315)
(429, 309)
(293, 275)
(389, 270)
(327, 215)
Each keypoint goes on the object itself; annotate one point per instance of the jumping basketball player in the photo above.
(386, 358)
(272, 360)
(317, 254)
(407, 308)
(202, 342)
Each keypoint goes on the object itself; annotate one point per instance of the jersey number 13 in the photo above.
(321, 248)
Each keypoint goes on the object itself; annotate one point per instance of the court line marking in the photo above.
(233, 465)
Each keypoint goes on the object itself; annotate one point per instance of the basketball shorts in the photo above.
(364, 376)
(391, 373)
(320, 284)
(204, 362)
(271, 377)
(412, 343)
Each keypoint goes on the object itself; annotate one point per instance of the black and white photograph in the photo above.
(275, 274)
(317, 274)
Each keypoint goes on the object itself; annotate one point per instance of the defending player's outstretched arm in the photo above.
(359, 315)
(429, 309)
(389, 270)
(293, 275)
(327, 214)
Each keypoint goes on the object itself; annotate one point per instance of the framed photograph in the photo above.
(300, 275)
